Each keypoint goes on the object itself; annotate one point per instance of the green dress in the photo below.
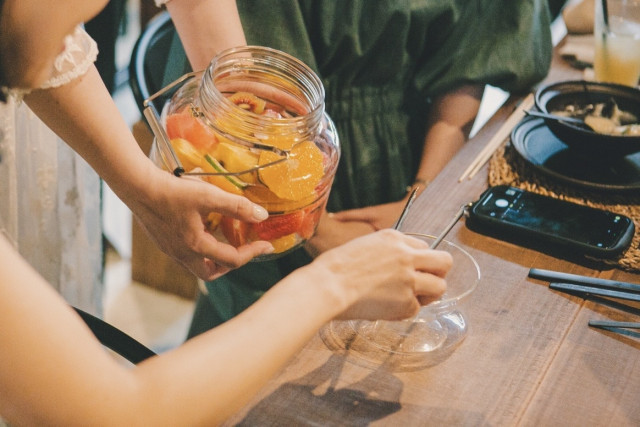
(381, 62)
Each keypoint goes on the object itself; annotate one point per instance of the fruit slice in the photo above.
(218, 167)
(248, 101)
(280, 140)
(279, 225)
(235, 231)
(188, 155)
(185, 125)
(237, 159)
(219, 181)
(213, 221)
(296, 177)
(310, 222)
(223, 183)
(284, 243)
(263, 196)
(267, 199)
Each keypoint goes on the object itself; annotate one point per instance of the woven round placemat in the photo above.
(508, 168)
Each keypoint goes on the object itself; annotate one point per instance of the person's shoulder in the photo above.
(578, 17)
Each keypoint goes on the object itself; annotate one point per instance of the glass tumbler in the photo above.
(617, 41)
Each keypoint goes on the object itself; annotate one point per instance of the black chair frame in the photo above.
(155, 61)
(116, 340)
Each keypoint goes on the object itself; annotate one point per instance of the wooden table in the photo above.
(529, 359)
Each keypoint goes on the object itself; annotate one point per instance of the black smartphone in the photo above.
(548, 223)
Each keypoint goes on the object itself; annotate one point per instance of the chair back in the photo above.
(157, 59)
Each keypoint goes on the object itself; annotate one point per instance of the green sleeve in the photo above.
(502, 43)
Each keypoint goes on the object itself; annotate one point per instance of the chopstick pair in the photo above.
(595, 287)
(444, 232)
(622, 328)
(594, 290)
(606, 324)
(576, 284)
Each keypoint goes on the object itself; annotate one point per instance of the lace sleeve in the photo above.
(80, 51)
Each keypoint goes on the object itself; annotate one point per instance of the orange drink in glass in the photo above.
(617, 41)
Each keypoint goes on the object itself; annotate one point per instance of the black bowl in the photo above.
(558, 96)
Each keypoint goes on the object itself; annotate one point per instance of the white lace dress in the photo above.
(49, 197)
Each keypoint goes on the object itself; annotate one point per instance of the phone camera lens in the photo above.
(502, 203)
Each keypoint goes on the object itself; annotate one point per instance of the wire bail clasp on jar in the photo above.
(166, 150)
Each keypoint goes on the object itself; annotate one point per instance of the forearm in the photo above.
(241, 355)
(202, 382)
(209, 377)
(450, 122)
(206, 27)
(84, 115)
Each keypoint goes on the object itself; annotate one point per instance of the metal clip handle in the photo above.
(162, 139)
(165, 148)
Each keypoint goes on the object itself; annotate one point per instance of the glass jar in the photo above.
(253, 124)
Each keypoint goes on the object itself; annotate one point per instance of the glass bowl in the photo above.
(428, 338)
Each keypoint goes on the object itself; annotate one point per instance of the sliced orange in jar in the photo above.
(223, 183)
(296, 177)
(229, 183)
(188, 155)
(236, 158)
(272, 203)
(279, 140)
(284, 243)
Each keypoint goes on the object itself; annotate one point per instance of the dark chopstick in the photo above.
(449, 226)
(593, 287)
(618, 305)
(591, 290)
(559, 276)
(405, 210)
(614, 324)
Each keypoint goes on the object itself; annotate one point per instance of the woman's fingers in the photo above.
(429, 287)
(214, 199)
(437, 262)
(393, 274)
(215, 258)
